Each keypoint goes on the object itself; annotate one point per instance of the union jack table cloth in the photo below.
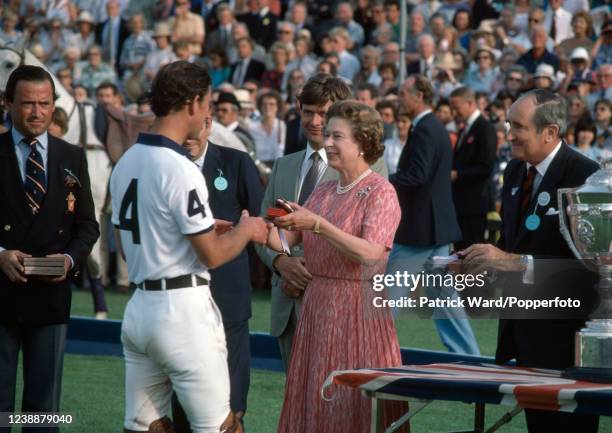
(480, 383)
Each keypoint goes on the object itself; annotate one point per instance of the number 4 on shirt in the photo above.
(194, 205)
(130, 200)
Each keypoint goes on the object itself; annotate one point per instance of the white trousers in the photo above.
(174, 339)
(99, 166)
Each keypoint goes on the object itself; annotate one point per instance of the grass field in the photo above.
(92, 389)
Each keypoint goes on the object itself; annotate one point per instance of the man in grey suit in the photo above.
(293, 178)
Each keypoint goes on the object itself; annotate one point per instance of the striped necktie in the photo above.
(34, 177)
(311, 178)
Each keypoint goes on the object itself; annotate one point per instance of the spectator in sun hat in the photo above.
(580, 63)
(85, 37)
(544, 77)
(483, 78)
(163, 52)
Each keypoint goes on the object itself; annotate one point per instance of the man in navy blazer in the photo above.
(429, 222)
(534, 259)
(233, 184)
(47, 210)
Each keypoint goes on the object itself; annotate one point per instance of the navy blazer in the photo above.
(546, 342)
(474, 160)
(55, 229)
(231, 283)
(423, 186)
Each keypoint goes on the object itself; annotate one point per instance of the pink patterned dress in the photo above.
(339, 328)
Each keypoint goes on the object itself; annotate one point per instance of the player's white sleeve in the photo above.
(115, 204)
(188, 202)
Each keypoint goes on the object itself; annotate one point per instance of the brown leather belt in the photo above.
(181, 282)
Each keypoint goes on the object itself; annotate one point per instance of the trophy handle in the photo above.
(563, 226)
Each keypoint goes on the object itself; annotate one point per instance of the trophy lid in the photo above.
(600, 181)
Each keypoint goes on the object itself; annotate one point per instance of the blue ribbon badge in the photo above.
(220, 182)
(532, 222)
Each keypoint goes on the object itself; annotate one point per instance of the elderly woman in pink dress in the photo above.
(347, 228)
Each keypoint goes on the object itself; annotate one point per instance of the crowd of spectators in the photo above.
(262, 51)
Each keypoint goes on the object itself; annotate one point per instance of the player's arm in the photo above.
(215, 250)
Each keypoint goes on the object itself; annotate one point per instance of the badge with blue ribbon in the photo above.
(220, 182)
(532, 222)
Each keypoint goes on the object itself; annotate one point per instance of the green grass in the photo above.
(92, 389)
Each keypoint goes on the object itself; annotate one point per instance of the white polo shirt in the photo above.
(159, 197)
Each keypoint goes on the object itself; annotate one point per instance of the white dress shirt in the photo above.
(541, 169)
(564, 24)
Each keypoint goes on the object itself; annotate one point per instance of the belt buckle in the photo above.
(163, 284)
(194, 281)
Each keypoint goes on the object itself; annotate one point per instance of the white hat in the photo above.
(580, 53)
(545, 70)
(85, 17)
(244, 98)
(161, 29)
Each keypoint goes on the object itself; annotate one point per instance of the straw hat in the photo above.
(85, 17)
(244, 98)
(161, 29)
(445, 61)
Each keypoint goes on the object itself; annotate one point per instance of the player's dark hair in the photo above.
(27, 73)
(177, 84)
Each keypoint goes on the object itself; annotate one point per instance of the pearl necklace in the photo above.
(344, 189)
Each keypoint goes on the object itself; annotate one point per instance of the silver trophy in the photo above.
(587, 228)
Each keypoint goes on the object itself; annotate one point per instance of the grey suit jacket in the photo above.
(283, 182)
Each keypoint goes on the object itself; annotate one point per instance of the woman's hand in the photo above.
(300, 219)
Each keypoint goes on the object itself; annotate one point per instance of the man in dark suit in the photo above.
(112, 33)
(261, 24)
(221, 36)
(48, 211)
(233, 185)
(543, 163)
(473, 161)
(227, 109)
(429, 223)
(246, 67)
(426, 46)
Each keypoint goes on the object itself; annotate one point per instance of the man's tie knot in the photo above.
(31, 142)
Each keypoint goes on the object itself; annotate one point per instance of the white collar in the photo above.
(232, 126)
(542, 167)
(310, 151)
(417, 119)
(200, 161)
(43, 139)
(264, 11)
